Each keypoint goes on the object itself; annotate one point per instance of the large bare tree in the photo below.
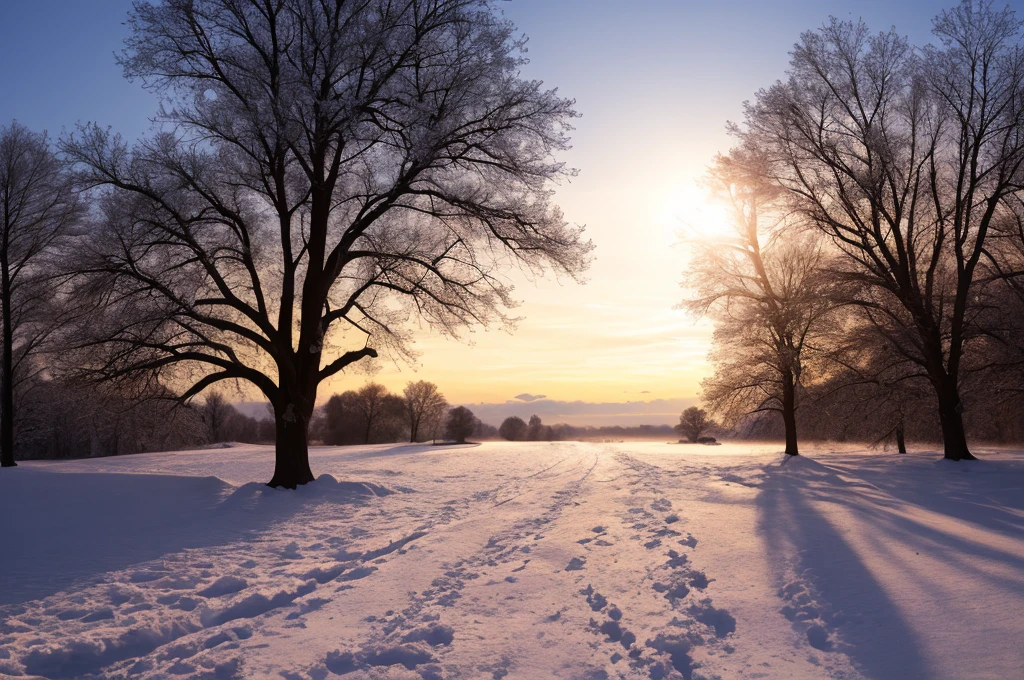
(767, 289)
(38, 206)
(325, 171)
(905, 158)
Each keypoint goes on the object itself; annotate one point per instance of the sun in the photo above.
(689, 213)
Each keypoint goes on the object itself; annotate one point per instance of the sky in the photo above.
(655, 81)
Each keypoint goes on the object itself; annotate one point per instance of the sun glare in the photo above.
(688, 214)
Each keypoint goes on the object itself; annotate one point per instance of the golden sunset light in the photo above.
(511, 339)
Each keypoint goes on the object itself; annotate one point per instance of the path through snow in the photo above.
(567, 560)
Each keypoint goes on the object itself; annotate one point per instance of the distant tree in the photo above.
(380, 412)
(563, 432)
(513, 429)
(424, 404)
(393, 425)
(371, 404)
(461, 423)
(906, 160)
(216, 413)
(370, 415)
(485, 431)
(38, 206)
(537, 431)
(768, 290)
(342, 423)
(327, 168)
(693, 423)
(242, 428)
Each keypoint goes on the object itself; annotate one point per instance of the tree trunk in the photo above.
(901, 442)
(6, 373)
(291, 464)
(954, 439)
(789, 412)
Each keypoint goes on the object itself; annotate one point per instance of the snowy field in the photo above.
(527, 560)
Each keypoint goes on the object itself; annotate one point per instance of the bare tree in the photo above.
(460, 424)
(378, 409)
(768, 292)
(216, 412)
(869, 392)
(424, 405)
(905, 159)
(330, 170)
(693, 422)
(39, 206)
(369, 415)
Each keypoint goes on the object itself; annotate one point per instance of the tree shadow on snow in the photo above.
(949, 513)
(833, 590)
(58, 528)
(988, 493)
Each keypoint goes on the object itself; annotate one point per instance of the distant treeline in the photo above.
(60, 419)
(844, 413)
(515, 428)
(375, 415)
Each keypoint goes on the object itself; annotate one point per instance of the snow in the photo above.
(517, 560)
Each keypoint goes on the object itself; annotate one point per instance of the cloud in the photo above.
(527, 397)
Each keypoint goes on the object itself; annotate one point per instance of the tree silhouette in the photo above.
(905, 159)
(38, 207)
(215, 412)
(513, 429)
(330, 170)
(769, 291)
(461, 423)
(424, 405)
(693, 422)
(537, 431)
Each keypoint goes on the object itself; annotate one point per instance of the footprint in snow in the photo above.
(225, 585)
(410, 656)
(434, 635)
(720, 620)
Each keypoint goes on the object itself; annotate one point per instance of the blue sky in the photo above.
(58, 55)
(656, 82)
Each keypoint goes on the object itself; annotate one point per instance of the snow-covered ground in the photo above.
(568, 560)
